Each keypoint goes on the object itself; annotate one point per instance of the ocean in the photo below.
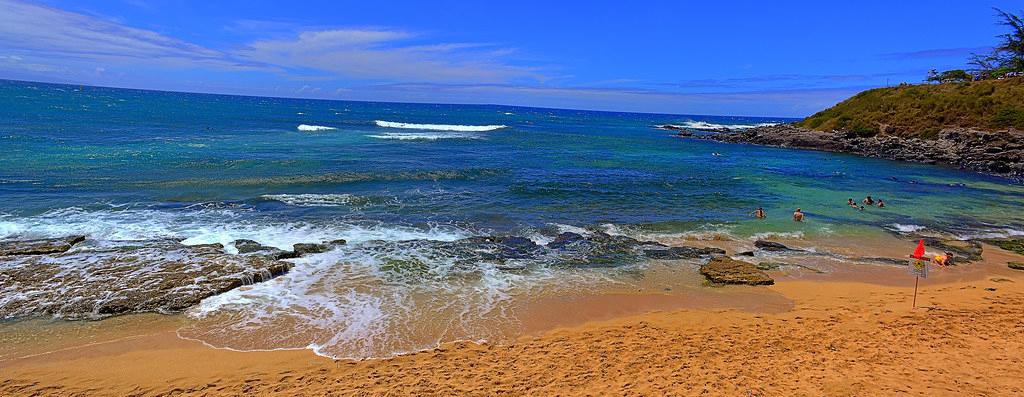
(403, 184)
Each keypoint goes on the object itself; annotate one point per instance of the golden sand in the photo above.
(839, 338)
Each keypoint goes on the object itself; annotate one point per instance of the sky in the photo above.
(753, 58)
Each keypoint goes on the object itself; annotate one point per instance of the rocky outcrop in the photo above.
(1000, 153)
(725, 270)
(1016, 265)
(149, 276)
(772, 246)
(676, 253)
(1012, 245)
(39, 246)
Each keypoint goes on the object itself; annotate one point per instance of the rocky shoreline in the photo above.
(997, 153)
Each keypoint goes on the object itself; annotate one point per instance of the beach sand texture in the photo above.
(842, 338)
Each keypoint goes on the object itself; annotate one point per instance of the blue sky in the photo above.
(723, 57)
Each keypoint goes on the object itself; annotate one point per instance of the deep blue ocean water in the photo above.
(102, 150)
(119, 164)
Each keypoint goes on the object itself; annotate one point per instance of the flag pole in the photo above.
(916, 279)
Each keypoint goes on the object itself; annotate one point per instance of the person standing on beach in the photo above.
(758, 213)
(798, 216)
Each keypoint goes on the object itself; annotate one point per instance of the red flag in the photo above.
(919, 252)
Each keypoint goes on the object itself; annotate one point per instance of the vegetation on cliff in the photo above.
(924, 110)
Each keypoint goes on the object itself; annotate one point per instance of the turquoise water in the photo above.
(121, 165)
(105, 152)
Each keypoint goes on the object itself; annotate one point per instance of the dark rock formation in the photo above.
(1000, 153)
(1012, 245)
(1016, 265)
(725, 270)
(674, 253)
(315, 248)
(249, 246)
(151, 276)
(39, 246)
(565, 239)
(772, 246)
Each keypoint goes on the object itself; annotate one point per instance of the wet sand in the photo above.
(843, 333)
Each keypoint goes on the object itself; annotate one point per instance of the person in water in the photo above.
(798, 216)
(860, 208)
(868, 201)
(850, 202)
(881, 204)
(758, 213)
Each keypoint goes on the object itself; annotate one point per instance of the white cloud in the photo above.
(379, 54)
(59, 35)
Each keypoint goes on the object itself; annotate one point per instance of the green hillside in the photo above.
(923, 110)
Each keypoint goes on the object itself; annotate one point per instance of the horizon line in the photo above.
(393, 102)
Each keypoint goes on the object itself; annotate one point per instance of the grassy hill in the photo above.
(923, 110)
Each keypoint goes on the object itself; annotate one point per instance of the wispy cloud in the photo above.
(382, 54)
(44, 33)
(933, 53)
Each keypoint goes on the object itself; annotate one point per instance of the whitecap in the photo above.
(314, 128)
(422, 137)
(315, 200)
(439, 127)
(703, 125)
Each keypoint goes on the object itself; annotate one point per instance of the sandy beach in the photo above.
(839, 338)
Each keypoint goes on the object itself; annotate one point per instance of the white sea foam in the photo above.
(314, 128)
(905, 228)
(439, 127)
(423, 136)
(319, 200)
(357, 301)
(200, 225)
(703, 125)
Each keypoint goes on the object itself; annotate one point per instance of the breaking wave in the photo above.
(422, 137)
(314, 128)
(706, 126)
(439, 127)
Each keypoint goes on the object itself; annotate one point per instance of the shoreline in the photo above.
(999, 154)
(721, 351)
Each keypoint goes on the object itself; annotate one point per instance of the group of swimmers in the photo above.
(868, 201)
(798, 215)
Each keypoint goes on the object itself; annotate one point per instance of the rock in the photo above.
(564, 239)
(249, 246)
(745, 253)
(673, 253)
(725, 270)
(1016, 265)
(962, 250)
(772, 246)
(39, 246)
(1012, 245)
(882, 260)
(971, 149)
(309, 248)
(316, 248)
(150, 276)
(770, 265)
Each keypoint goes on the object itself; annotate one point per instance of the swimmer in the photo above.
(798, 216)
(758, 213)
